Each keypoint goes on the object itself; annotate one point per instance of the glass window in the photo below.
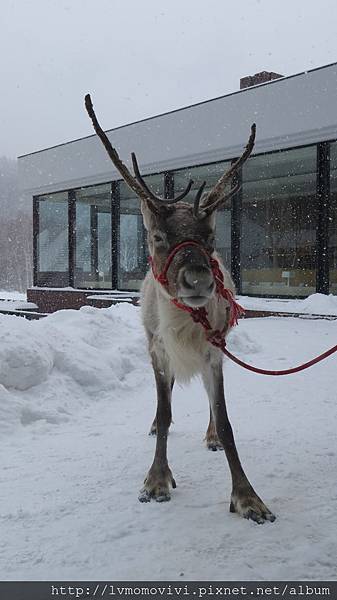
(333, 219)
(52, 240)
(132, 236)
(93, 237)
(278, 246)
(210, 174)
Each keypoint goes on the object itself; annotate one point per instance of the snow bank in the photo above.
(49, 368)
(317, 304)
(320, 304)
(26, 357)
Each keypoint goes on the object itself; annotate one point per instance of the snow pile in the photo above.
(49, 368)
(320, 304)
(52, 367)
(26, 357)
(317, 304)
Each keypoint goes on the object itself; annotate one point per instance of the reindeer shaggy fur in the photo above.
(183, 339)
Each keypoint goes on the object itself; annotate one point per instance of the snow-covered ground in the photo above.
(13, 295)
(76, 402)
(14, 300)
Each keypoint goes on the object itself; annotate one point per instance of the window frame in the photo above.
(53, 279)
(322, 196)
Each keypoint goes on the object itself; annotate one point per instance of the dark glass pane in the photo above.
(333, 219)
(52, 243)
(278, 247)
(93, 237)
(132, 236)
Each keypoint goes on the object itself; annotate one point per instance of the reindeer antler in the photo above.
(151, 194)
(202, 206)
(136, 183)
(216, 197)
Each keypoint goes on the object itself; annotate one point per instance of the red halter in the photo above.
(199, 315)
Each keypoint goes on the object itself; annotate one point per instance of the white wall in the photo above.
(293, 111)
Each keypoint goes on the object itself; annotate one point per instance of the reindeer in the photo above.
(181, 241)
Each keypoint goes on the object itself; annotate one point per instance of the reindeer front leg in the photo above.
(211, 436)
(244, 499)
(153, 428)
(159, 478)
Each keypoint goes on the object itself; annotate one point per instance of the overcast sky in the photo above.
(142, 57)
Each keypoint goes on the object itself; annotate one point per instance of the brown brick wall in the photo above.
(261, 77)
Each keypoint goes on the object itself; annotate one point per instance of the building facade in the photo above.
(278, 235)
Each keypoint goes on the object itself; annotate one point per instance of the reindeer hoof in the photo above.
(163, 498)
(146, 496)
(214, 446)
(249, 506)
(157, 486)
(213, 443)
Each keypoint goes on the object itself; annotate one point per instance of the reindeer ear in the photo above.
(148, 214)
(150, 210)
(212, 219)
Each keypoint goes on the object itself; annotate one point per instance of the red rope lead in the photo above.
(236, 310)
(306, 365)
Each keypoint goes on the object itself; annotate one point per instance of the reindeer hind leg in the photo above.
(244, 499)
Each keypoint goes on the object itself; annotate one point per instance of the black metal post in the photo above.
(323, 212)
(35, 239)
(71, 236)
(94, 241)
(236, 226)
(115, 225)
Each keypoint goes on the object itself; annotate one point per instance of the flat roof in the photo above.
(291, 111)
(176, 110)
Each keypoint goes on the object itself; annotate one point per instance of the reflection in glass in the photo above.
(52, 242)
(132, 235)
(278, 243)
(93, 237)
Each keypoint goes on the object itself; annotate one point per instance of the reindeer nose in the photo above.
(198, 281)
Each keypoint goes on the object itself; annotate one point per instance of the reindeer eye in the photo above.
(158, 238)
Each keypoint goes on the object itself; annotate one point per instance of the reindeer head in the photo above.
(171, 222)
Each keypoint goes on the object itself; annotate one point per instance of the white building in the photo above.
(278, 236)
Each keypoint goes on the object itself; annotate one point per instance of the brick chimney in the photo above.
(261, 77)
